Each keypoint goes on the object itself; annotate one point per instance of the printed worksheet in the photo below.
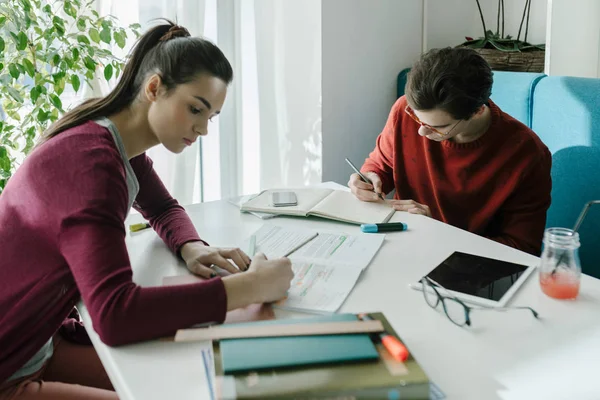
(326, 265)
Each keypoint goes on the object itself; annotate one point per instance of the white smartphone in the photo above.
(283, 199)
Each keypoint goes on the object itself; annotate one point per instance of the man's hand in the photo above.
(365, 191)
(411, 206)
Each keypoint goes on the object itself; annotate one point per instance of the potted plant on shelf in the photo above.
(45, 47)
(503, 52)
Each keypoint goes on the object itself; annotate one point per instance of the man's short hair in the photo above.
(455, 80)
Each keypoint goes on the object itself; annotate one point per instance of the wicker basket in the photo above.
(526, 61)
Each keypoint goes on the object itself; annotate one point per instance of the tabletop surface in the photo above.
(503, 355)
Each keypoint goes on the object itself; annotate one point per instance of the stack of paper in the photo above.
(326, 268)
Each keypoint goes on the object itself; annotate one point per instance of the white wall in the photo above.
(573, 38)
(365, 44)
(447, 22)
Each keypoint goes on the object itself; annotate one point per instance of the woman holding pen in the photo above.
(63, 235)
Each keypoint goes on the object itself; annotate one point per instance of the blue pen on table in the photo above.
(388, 227)
(364, 178)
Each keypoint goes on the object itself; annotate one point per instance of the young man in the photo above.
(453, 155)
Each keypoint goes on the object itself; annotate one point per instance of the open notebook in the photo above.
(338, 205)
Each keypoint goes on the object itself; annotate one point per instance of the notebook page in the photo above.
(343, 206)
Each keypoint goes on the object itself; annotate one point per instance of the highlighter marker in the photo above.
(139, 227)
(389, 227)
(391, 344)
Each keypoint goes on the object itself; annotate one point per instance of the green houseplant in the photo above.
(45, 47)
(504, 52)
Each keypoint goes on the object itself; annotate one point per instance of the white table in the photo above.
(502, 356)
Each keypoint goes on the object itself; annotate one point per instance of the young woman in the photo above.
(63, 235)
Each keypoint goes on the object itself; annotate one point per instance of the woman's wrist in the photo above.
(240, 290)
(187, 248)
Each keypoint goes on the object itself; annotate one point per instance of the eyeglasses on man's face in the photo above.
(412, 114)
(455, 309)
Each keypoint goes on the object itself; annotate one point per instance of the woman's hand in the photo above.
(199, 258)
(266, 281)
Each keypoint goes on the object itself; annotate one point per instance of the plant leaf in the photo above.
(81, 24)
(75, 82)
(4, 159)
(56, 101)
(22, 41)
(14, 71)
(120, 39)
(14, 93)
(69, 61)
(108, 72)
(14, 115)
(29, 67)
(83, 39)
(75, 53)
(69, 10)
(476, 44)
(42, 116)
(89, 63)
(105, 35)
(504, 46)
(59, 25)
(35, 93)
(2, 44)
(94, 35)
(59, 86)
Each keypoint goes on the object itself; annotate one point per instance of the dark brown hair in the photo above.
(166, 49)
(455, 80)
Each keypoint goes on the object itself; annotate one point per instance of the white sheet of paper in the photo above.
(341, 249)
(276, 241)
(209, 365)
(326, 268)
(320, 287)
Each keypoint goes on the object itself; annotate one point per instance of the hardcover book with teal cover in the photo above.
(251, 354)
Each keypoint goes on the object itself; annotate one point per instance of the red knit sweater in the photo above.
(497, 186)
(62, 237)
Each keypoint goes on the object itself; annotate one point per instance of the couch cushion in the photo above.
(566, 116)
(401, 82)
(512, 92)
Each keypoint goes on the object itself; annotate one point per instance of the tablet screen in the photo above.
(478, 276)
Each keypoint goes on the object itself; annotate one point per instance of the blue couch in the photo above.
(565, 113)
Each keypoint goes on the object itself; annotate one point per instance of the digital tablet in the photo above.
(479, 280)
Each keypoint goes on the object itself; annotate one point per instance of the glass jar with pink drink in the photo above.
(560, 269)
